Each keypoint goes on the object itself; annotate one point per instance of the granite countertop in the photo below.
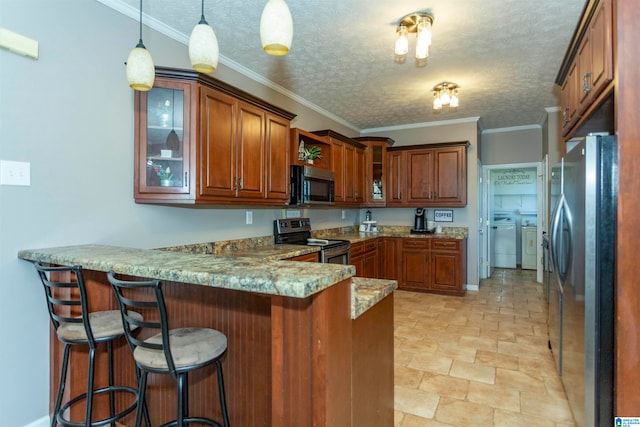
(365, 293)
(243, 273)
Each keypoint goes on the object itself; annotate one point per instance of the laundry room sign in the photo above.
(514, 181)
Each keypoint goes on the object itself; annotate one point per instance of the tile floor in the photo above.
(479, 360)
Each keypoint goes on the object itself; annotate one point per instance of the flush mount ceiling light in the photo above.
(276, 28)
(420, 24)
(203, 46)
(445, 95)
(141, 72)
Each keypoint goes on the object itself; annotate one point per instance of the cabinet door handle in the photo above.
(585, 82)
(186, 179)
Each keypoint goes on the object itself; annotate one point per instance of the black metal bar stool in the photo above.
(168, 351)
(75, 325)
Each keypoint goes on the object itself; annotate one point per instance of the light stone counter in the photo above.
(243, 273)
(365, 293)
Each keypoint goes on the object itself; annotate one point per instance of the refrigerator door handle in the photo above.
(562, 209)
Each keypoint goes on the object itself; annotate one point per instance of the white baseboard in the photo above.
(42, 422)
(472, 287)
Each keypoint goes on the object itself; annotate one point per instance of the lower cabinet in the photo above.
(364, 256)
(312, 257)
(433, 265)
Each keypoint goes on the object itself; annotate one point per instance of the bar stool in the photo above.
(168, 351)
(75, 325)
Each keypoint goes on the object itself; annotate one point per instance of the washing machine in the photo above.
(529, 247)
(504, 243)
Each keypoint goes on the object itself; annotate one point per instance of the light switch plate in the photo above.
(15, 173)
(249, 217)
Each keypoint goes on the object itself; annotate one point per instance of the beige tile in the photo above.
(462, 413)
(555, 409)
(431, 363)
(538, 366)
(495, 396)
(503, 418)
(519, 381)
(497, 360)
(479, 343)
(407, 377)
(416, 402)
(457, 352)
(444, 385)
(473, 371)
(511, 379)
(414, 421)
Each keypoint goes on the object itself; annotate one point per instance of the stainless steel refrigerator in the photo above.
(584, 188)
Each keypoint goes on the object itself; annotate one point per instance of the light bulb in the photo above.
(402, 41)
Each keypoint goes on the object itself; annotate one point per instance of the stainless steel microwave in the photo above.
(311, 186)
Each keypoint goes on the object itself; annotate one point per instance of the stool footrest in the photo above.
(189, 420)
(111, 389)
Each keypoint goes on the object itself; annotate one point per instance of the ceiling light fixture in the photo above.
(276, 28)
(419, 23)
(203, 46)
(141, 72)
(445, 95)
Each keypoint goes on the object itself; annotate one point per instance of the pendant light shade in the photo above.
(203, 47)
(276, 28)
(141, 72)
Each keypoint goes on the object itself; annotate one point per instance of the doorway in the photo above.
(514, 206)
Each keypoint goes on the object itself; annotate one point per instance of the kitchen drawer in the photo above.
(370, 245)
(357, 249)
(415, 243)
(445, 245)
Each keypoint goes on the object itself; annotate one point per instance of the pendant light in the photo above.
(203, 47)
(141, 72)
(173, 140)
(276, 28)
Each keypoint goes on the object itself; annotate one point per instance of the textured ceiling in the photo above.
(504, 54)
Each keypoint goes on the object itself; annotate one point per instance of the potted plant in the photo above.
(165, 176)
(311, 153)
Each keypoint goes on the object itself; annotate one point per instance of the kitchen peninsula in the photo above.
(303, 337)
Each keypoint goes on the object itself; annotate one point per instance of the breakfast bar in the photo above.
(308, 344)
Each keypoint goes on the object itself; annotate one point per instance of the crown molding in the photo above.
(421, 125)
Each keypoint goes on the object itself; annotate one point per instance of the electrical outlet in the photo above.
(15, 173)
(344, 214)
(249, 217)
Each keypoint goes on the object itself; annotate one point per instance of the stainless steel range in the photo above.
(297, 231)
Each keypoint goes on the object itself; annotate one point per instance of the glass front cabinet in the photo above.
(183, 147)
(376, 169)
(164, 139)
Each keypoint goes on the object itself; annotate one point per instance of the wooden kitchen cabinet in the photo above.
(310, 140)
(432, 175)
(390, 258)
(375, 166)
(312, 257)
(348, 165)
(364, 256)
(591, 69)
(229, 147)
(433, 265)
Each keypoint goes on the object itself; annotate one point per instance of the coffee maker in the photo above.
(420, 222)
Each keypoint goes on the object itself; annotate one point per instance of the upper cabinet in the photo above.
(588, 69)
(432, 175)
(348, 165)
(375, 177)
(201, 141)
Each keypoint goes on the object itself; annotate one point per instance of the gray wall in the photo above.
(512, 145)
(70, 114)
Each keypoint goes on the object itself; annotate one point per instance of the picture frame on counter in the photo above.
(443, 215)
